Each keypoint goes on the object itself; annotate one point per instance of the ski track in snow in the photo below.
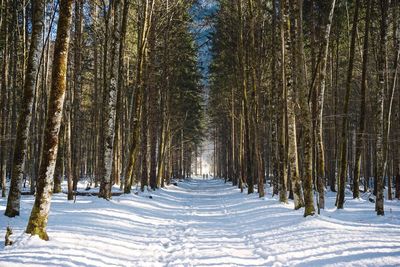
(203, 223)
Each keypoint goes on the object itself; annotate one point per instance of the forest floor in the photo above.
(203, 223)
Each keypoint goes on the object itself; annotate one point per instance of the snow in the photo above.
(203, 223)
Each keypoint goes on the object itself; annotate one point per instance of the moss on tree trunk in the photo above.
(41, 207)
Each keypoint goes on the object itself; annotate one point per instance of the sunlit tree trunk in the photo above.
(41, 207)
(25, 116)
(142, 47)
(320, 110)
(305, 117)
(291, 82)
(109, 112)
(121, 83)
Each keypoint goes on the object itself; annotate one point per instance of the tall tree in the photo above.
(282, 118)
(320, 87)
(293, 80)
(25, 116)
(41, 207)
(361, 129)
(145, 13)
(76, 110)
(244, 88)
(381, 123)
(305, 117)
(344, 131)
(109, 112)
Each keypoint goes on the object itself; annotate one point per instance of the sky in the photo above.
(202, 27)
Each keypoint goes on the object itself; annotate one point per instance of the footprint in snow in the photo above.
(165, 242)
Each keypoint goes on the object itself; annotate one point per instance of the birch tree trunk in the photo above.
(292, 104)
(25, 116)
(320, 110)
(109, 112)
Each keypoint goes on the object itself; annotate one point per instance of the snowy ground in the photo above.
(203, 223)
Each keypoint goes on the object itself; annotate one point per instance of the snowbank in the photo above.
(203, 223)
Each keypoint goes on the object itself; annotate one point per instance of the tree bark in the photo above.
(109, 111)
(77, 94)
(25, 116)
(142, 47)
(293, 80)
(282, 122)
(305, 119)
(344, 137)
(320, 110)
(41, 207)
(361, 129)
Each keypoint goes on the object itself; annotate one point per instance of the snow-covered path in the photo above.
(204, 223)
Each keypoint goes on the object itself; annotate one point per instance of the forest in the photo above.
(114, 101)
(307, 92)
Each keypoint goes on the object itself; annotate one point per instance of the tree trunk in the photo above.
(41, 207)
(143, 29)
(304, 118)
(3, 108)
(360, 134)
(380, 110)
(383, 116)
(153, 94)
(68, 150)
(242, 75)
(25, 116)
(109, 111)
(77, 92)
(291, 106)
(344, 137)
(144, 180)
(274, 105)
(121, 76)
(282, 155)
(320, 110)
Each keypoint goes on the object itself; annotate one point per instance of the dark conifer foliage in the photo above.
(299, 95)
(282, 83)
